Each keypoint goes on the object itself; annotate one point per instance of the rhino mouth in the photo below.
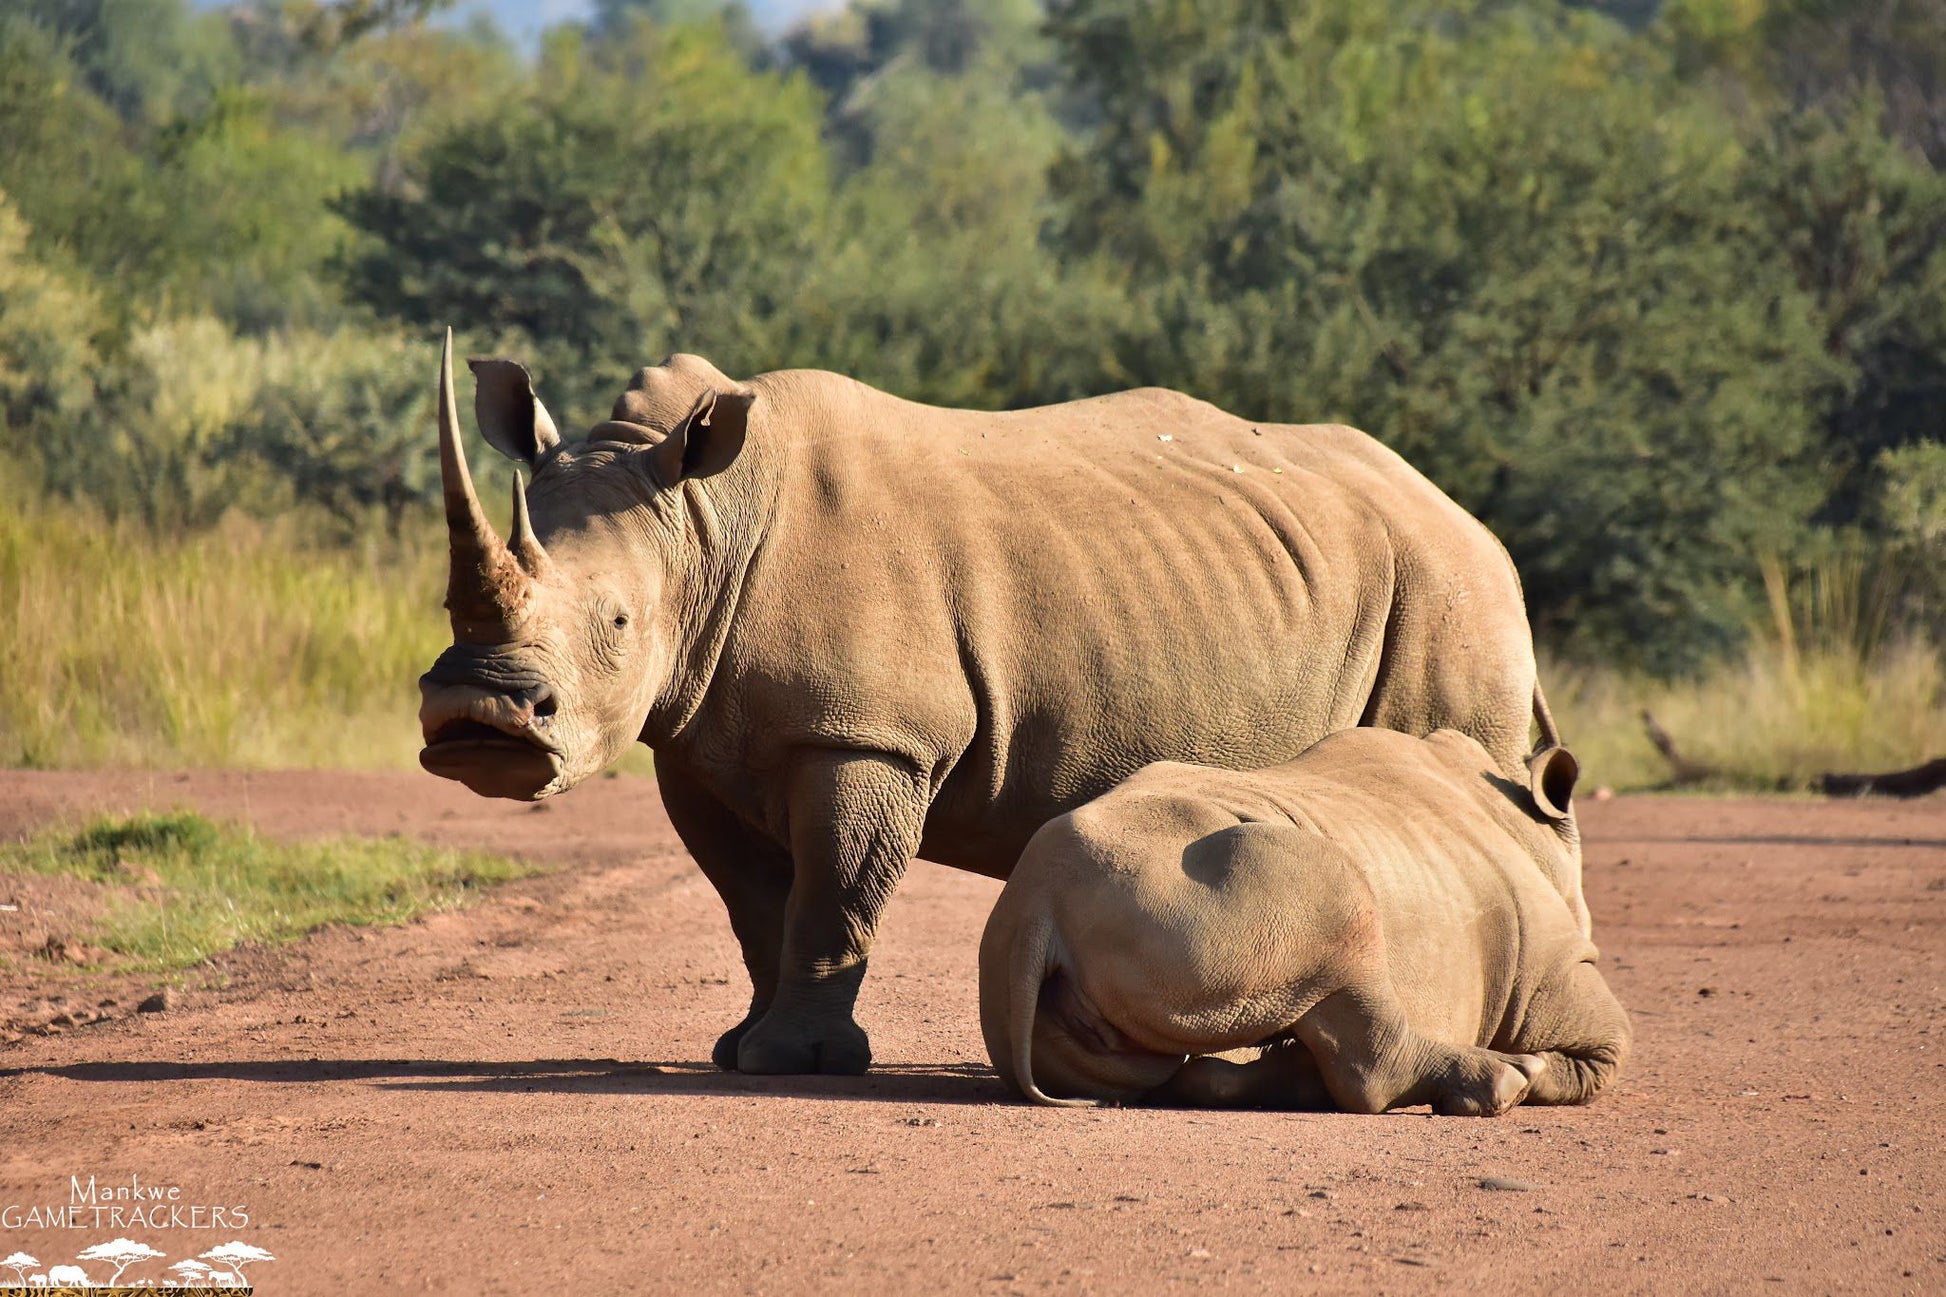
(488, 742)
(466, 730)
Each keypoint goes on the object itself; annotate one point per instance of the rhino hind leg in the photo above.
(1283, 1078)
(1572, 1078)
(1372, 1061)
(1578, 1027)
(1484, 1083)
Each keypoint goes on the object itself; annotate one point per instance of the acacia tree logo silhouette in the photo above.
(190, 1271)
(221, 1265)
(237, 1255)
(120, 1253)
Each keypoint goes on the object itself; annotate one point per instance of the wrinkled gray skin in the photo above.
(855, 629)
(1378, 918)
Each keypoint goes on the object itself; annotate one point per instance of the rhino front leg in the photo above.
(856, 819)
(751, 873)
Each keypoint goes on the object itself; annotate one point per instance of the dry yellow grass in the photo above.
(1774, 720)
(1822, 686)
(252, 646)
(239, 647)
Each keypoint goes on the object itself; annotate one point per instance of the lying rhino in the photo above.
(1380, 913)
(855, 629)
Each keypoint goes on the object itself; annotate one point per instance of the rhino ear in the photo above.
(511, 417)
(1552, 773)
(708, 439)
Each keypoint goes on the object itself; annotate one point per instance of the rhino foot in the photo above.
(800, 1047)
(1481, 1083)
(725, 1053)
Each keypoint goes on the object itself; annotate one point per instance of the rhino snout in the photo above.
(486, 667)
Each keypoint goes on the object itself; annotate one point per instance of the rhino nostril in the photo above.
(545, 705)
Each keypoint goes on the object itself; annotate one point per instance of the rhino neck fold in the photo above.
(723, 526)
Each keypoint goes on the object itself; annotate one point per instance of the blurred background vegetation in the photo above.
(1656, 288)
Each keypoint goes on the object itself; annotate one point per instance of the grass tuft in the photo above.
(189, 888)
(180, 831)
(1825, 684)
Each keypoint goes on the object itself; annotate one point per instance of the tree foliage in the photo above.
(1862, 222)
(1503, 239)
(644, 195)
(1655, 287)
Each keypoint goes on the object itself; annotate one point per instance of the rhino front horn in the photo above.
(485, 588)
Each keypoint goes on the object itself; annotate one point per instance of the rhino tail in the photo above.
(1032, 948)
(1550, 733)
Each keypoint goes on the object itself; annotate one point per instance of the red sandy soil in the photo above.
(515, 1095)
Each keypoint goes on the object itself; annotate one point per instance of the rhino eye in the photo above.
(621, 621)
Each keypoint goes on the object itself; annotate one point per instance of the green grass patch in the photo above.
(189, 888)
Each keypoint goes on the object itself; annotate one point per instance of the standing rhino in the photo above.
(855, 630)
(1380, 911)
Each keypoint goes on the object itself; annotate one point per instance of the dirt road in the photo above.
(515, 1095)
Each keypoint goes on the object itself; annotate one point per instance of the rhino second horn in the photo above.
(485, 586)
(522, 541)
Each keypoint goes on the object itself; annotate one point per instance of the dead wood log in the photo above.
(1916, 782)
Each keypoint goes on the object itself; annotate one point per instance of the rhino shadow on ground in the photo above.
(956, 1083)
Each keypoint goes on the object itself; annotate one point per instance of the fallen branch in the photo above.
(1682, 771)
(1916, 782)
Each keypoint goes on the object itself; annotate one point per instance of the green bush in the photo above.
(344, 420)
(933, 280)
(47, 353)
(1503, 239)
(193, 421)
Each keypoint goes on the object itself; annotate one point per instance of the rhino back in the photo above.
(1472, 923)
(1032, 605)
